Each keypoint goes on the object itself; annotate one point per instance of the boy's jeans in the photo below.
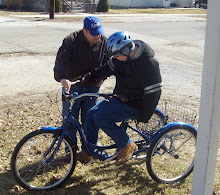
(104, 115)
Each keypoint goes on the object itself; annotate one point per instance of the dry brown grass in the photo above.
(159, 11)
(29, 112)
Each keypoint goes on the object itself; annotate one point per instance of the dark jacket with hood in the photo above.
(76, 57)
(138, 79)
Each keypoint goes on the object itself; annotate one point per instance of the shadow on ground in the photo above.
(97, 179)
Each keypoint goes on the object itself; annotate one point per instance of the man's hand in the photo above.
(66, 83)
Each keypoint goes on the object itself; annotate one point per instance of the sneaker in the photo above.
(126, 153)
(83, 157)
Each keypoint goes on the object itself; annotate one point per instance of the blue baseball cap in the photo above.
(94, 25)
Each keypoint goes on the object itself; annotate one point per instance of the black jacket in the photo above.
(138, 79)
(75, 57)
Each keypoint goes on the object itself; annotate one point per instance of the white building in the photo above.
(149, 3)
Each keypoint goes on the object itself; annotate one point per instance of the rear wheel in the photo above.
(171, 157)
(156, 122)
(29, 162)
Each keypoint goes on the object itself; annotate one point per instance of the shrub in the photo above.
(103, 6)
(58, 6)
(15, 4)
(173, 5)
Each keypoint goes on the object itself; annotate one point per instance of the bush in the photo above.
(173, 5)
(103, 6)
(58, 6)
(15, 4)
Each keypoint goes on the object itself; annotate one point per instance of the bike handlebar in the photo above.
(75, 95)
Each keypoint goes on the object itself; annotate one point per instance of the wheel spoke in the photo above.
(29, 164)
(175, 162)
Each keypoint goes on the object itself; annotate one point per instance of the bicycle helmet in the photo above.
(120, 43)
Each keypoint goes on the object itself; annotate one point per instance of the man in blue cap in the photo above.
(81, 52)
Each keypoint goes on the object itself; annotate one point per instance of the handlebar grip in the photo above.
(64, 91)
(66, 95)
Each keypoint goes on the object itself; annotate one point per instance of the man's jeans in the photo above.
(104, 115)
(83, 104)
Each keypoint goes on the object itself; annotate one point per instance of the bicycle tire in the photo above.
(170, 157)
(29, 166)
(160, 119)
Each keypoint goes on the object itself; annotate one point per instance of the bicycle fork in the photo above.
(51, 147)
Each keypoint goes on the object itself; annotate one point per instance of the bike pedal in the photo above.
(111, 158)
(139, 157)
(90, 162)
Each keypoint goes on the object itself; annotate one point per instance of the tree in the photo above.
(15, 4)
(103, 6)
(52, 9)
(58, 6)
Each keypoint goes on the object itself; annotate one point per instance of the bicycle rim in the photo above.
(171, 157)
(29, 163)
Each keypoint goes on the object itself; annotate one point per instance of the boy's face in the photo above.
(121, 58)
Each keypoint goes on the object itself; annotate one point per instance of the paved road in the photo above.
(44, 37)
(177, 40)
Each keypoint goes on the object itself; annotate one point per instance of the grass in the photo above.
(121, 11)
(24, 114)
(41, 16)
(17, 12)
(158, 11)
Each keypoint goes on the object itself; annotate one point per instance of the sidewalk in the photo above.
(113, 18)
(105, 15)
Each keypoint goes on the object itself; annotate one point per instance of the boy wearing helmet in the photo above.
(137, 92)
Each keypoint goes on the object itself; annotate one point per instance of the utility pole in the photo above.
(52, 9)
(208, 133)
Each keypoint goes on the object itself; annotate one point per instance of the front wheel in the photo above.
(30, 165)
(171, 157)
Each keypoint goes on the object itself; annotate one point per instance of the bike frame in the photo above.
(100, 152)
